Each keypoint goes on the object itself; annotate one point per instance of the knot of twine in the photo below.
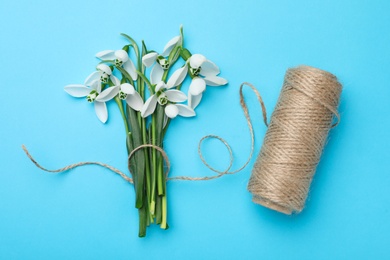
(165, 156)
(295, 138)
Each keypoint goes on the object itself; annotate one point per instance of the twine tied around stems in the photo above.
(165, 156)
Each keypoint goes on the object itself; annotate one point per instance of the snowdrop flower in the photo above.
(94, 95)
(163, 96)
(173, 110)
(204, 73)
(103, 73)
(127, 92)
(160, 59)
(121, 59)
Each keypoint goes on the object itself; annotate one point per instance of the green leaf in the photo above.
(130, 147)
(182, 35)
(139, 158)
(144, 49)
(143, 221)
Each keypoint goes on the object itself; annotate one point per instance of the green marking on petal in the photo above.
(104, 78)
(195, 71)
(162, 98)
(122, 95)
(164, 63)
(92, 96)
(118, 62)
(163, 101)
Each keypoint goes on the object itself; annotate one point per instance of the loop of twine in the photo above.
(165, 156)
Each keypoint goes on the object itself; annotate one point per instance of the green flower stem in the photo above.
(152, 137)
(164, 224)
(161, 178)
(165, 75)
(150, 86)
(159, 123)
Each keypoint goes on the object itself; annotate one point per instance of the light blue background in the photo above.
(88, 213)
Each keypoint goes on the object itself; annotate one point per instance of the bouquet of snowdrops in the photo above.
(147, 104)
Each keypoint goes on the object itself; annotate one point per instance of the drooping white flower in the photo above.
(163, 95)
(173, 110)
(121, 59)
(160, 59)
(126, 91)
(102, 73)
(204, 73)
(94, 95)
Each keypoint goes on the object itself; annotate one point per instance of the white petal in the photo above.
(149, 106)
(77, 90)
(197, 60)
(160, 85)
(170, 45)
(171, 111)
(209, 69)
(156, 74)
(107, 94)
(130, 68)
(174, 95)
(115, 80)
(122, 55)
(104, 68)
(106, 55)
(193, 101)
(185, 111)
(197, 86)
(92, 77)
(149, 59)
(177, 77)
(96, 85)
(101, 111)
(127, 88)
(135, 101)
(215, 81)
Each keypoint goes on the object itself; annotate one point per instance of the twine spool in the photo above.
(295, 138)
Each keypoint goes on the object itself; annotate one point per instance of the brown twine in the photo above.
(295, 139)
(165, 156)
(75, 165)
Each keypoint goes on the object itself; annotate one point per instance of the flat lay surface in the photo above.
(88, 212)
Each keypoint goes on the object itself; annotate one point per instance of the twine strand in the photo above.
(75, 165)
(165, 156)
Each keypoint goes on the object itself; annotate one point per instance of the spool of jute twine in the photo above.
(295, 139)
